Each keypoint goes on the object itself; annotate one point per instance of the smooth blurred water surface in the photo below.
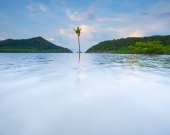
(102, 94)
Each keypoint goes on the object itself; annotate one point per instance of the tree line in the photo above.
(122, 45)
(37, 44)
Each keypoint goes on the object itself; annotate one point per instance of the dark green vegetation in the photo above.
(33, 45)
(122, 45)
(150, 47)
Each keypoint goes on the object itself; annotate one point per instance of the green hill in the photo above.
(35, 45)
(121, 45)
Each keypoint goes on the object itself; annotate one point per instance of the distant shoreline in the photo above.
(32, 45)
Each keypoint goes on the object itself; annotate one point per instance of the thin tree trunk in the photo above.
(79, 46)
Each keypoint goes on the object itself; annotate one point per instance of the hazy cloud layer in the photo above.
(37, 6)
(114, 28)
(58, 40)
(86, 32)
(160, 11)
(165, 15)
(109, 19)
(81, 16)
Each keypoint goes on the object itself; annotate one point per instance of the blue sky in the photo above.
(100, 20)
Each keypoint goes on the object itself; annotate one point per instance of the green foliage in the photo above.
(121, 45)
(150, 47)
(122, 50)
(78, 30)
(167, 50)
(37, 44)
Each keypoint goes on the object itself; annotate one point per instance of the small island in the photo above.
(32, 45)
(134, 45)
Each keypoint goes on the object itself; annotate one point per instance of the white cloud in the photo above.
(124, 31)
(137, 33)
(81, 16)
(159, 11)
(87, 32)
(31, 8)
(89, 15)
(159, 3)
(134, 33)
(42, 7)
(68, 32)
(50, 39)
(75, 16)
(134, 30)
(122, 27)
(60, 41)
(37, 6)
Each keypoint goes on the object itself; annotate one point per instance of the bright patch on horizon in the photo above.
(137, 34)
(50, 39)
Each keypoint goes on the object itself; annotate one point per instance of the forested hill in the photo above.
(123, 43)
(37, 44)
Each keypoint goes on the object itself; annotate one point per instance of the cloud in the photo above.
(37, 7)
(75, 16)
(113, 28)
(134, 29)
(81, 16)
(89, 15)
(124, 31)
(159, 3)
(158, 15)
(42, 7)
(31, 8)
(50, 39)
(68, 32)
(159, 11)
(109, 19)
(145, 13)
(165, 15)
(58, 40)
(121, 32)
(136, 33)
(87, 32)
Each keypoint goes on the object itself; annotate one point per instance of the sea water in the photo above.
(100, 94)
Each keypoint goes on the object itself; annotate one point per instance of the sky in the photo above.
(100, 20)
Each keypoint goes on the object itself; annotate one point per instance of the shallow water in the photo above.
(102, 94)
